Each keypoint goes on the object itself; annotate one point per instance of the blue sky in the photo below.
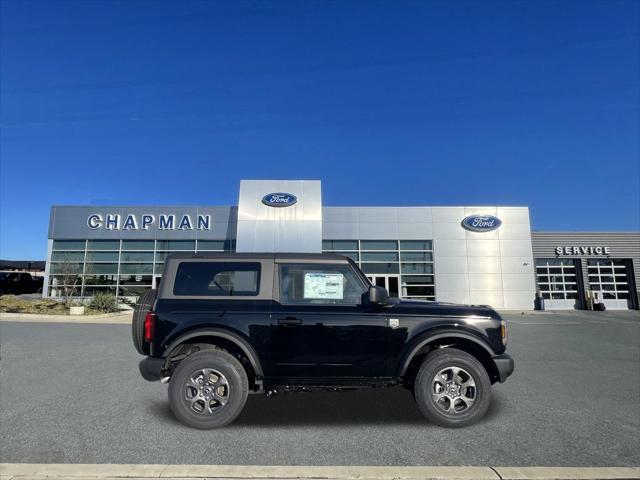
(388, 103)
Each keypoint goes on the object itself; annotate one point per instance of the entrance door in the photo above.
(390, 282)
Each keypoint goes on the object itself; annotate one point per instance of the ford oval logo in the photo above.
(279, 199)
(481, 223)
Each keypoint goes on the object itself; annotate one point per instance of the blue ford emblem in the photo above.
(481, 223)
(279, 199)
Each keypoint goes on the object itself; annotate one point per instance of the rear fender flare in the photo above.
(243, 344)
(428, 338)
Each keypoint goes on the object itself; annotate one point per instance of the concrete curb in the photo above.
(108, 318)
(567, 473)
(24, 471)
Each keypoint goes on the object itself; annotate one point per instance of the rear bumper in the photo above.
(151, 368)
(505, 365)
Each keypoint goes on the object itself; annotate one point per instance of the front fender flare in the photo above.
(430, 337)
(243, 344)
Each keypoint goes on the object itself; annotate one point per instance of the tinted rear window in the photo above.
(217, 279)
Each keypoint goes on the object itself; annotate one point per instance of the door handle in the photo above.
(289, 321)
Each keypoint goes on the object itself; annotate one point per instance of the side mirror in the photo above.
(378, 295)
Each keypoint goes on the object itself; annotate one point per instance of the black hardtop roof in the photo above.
(258, 256)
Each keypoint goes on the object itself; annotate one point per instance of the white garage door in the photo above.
(558, 284)
(610, 280)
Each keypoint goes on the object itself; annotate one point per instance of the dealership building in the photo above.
(461, 254)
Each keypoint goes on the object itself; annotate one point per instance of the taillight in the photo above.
(149, 326)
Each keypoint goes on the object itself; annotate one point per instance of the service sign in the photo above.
(583, 250)
(481, 223)
(279, 199)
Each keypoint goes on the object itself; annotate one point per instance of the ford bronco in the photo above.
(221, 326)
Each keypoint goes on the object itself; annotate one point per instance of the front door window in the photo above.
(320, 284)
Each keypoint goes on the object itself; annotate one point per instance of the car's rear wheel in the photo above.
(452, 388)
(143, 306)
(208, 389)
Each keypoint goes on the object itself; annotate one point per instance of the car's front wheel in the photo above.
(208, 389)
(452, 388)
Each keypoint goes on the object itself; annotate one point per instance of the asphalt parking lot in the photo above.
(72, 393)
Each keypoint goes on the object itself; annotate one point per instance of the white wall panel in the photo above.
(454, 297)
(492, 298)
(486, 282)
(381, 230)
(484, 265)
(522, 265)
(290, 242)
(520, 300)
(263, 228)
(452, 282)
(493, 235)
(450, 265)
(415, 231)
(514, 282)
(259, 233)
(310, 232)
(378, 214)
(483, 248)
(450, 248)
(414, 214)
(340, 214)
(448, 231)
(340, 231)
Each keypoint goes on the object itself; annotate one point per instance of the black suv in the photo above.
(222, 326)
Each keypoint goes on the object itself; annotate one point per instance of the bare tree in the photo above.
(70, 273)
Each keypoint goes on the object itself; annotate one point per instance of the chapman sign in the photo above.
(144, 222)
(589, 250)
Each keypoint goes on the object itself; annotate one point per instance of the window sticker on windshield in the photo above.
(323, 285)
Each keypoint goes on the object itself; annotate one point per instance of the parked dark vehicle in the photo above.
(36, 284)
(18, 283)
(222, 326)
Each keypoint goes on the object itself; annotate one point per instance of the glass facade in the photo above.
(409, 260)
(405, 268)
(122, 267)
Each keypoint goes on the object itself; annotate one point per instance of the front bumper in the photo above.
(151, 368)
(505, 365)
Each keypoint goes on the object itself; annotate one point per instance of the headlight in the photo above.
(503, 332)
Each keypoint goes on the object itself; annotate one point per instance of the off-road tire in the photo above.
(233, 372)
(144, 305)
(444, 359)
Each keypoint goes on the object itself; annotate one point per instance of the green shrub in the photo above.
(104, 302)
